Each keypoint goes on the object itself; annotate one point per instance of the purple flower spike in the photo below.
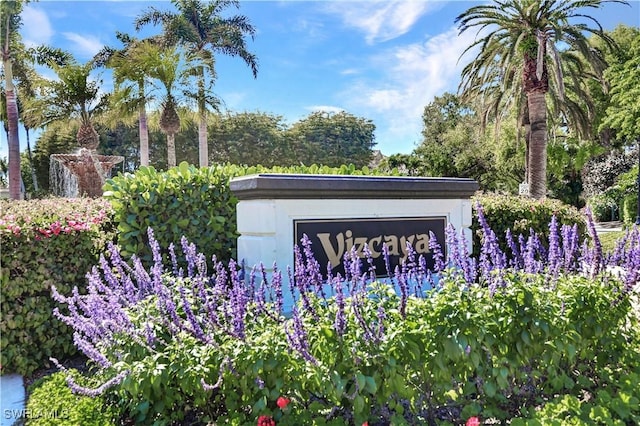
(436, 250)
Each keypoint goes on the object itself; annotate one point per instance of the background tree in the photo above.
(623, 112)
(436, 151)
(456, 144)
(164, 66)
(250, 138)
(521, 44)
(130, 72)
(74, 96)
(201, 28)
(333, 139)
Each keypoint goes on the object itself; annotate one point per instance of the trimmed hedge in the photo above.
(43, 243)
(52, 403)
(520, 215)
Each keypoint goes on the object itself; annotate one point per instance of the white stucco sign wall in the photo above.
(271, 205)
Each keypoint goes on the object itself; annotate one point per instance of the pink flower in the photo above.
(282, 402)
(473, 421)
(55, 228)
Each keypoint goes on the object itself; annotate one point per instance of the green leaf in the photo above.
(358, 404)
(489, 389)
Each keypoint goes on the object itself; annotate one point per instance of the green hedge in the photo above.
(44, 243)
(520, 214)
(188, 201)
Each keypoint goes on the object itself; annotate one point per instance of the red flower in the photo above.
(266, 421)
(282, 402)
(365, 424)
(473, 421)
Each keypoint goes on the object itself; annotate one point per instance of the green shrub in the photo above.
(187, 201)
(604, 207)
(622, 195)
(51, 403)
(219, 349)
(44, 243)
(183, 201)
(520, 215)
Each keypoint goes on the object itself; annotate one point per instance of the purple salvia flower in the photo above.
(385, 256)
(196, 329)
(555, 258)
(522, 244)
(586, 256)
(516, 261)
(596, 260)
(276, 283)
(149, 335)
(157, 269)
(90, 351)
(453, 258)
(298, 339)
(631, 264)
(189, 250)
(312, 267)
(259, 382)
(168, 308)
(292, 282)
(340, 321)
(530, 265)
(402, 284)
(570, 247)
(239, 300)
(79, 390)
(436, 250)
(259, 294)
(301, 280)
(131, 292)
(201, 265)
(425, 275)
(207, 387)
(177, 271)
(371, 269)
(357, 308)
(490, 240)
(468, 263)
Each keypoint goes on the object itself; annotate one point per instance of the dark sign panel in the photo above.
(332, 238)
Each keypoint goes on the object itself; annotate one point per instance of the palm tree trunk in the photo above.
(171, 150)
(34, 179)
(203, 148)
(12, 118)
(537, 144)
(143, 130)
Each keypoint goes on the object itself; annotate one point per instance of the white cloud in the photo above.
(412, 76)
(324, 108)
(381, 20)
(84, 45)
(350, 71)
(36, 27)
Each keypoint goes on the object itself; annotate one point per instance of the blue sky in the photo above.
(381, 60)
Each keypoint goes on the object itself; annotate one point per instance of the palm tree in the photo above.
(130, 95)
(9, 38)
(519, 55)
(73, 96)
(163, 65)
(199, 27)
